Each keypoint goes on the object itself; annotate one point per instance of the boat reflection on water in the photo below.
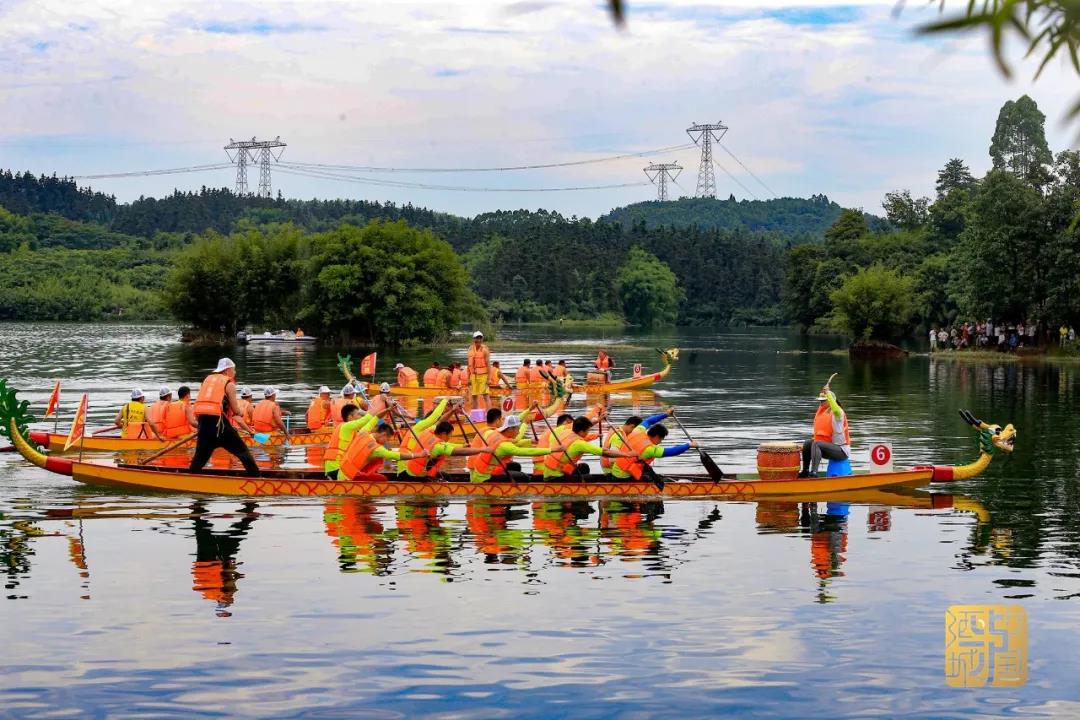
(455, 541)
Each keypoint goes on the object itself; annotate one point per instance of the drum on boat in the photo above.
(778, 460)
(596, 378)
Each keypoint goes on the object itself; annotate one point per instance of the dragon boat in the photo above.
(308, 482)
(591, 387)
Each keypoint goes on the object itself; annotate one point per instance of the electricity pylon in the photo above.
(260, 151)
(659, 174)
(704, 135)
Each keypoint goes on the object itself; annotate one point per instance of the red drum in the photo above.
(778, 460)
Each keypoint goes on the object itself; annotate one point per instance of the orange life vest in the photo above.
(487, 463)
(407, 377)
(418, 467)
(459, 378)
(263, 417)
(335, 409)
(560, 371)
(358, 459)
(431, 377)
(211, 397)
(176, 422)
(534, 374)
(603, 362)
(155, 415)
(522, 376)
(444, 378)
(823, 427)
(478, 359)
(317, 414)
(636, 442)
(333, 450)
(609, 444)
(563, 462)
(544, 441)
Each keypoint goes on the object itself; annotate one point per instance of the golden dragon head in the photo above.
(991, 437)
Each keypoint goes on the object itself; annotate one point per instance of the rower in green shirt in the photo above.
(498, 444)
(560, 465)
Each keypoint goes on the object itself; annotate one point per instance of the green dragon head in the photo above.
(991, 438)
(669, 356)
(12, 409)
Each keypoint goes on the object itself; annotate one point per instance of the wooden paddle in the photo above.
(175, 445)
(478, 434)
(707, 462)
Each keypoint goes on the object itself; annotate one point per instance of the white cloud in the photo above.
(821, 96)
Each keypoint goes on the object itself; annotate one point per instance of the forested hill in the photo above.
(794, 217)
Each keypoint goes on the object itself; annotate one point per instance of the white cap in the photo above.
(245, 391)
(478, 334)
(137, 394)
(348, 390)
(398, 366)
(385, 387)
(269, 391)
(225, 364)
(164, 391)
(509, 422)
(323, 390)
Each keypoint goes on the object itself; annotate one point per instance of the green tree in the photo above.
(1019, 142)
(648, 290)
(904, 211)
(873, 304)
(851, 225)
(1001, 267)
(385, 283)
(956, 175)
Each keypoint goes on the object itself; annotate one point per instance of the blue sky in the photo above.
(820, 97)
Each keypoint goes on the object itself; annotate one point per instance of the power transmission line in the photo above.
(505, 168)
(146, 173)
(322, 175)
(748, 170)
(260, 151)
(736, 180)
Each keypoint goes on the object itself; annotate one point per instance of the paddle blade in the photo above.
(710, 466)
(262, 438)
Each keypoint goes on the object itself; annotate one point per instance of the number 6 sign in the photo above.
(881, 457)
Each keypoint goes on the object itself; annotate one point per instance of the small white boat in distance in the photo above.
(285, 337)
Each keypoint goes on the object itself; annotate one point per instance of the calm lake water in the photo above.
(169, 606)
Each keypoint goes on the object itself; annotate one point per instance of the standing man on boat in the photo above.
(214, 405)
(132, 418)
(318, 412)
(479, 362)
(832, 438)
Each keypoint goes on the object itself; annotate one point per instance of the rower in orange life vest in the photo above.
(498, 445)
(214, 405)
(367, 452)
(496, 378)
(629, 425)
(560, 369)
(318, 412)
(132, 418)
(564, 465)
(521, 379)
(406, 376)
(351, 423)
(536, 378)
(347, 397)
(247, 407)
(155, 414)
(432, 434)
(383, 402)
(832, 439)
(179, 417)
(267, 415)
(604, 363)
(479, 365)
(644, 446)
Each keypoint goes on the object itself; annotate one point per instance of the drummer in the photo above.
(832, 439)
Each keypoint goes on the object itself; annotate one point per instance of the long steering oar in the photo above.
(175, 445)
(709, 464)
(647, 470)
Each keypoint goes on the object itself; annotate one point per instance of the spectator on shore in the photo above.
(933, 339)
(1063, 333)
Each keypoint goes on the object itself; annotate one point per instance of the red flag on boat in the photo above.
(367, 365)
(54, 400)
(78, 425)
